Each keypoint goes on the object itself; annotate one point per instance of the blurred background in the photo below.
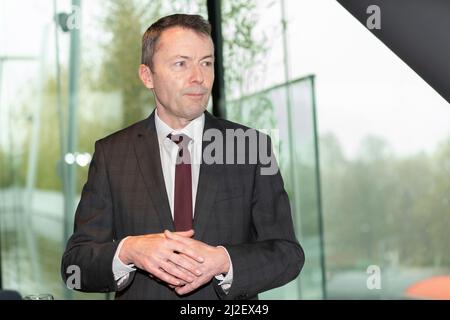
(362, 141)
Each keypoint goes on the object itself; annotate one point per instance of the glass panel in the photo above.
(385, 152)
(254, 60)
(31, 210)
(270, 111)
(58, 95)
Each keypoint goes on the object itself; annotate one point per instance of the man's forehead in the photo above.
(188, 57)
(177, 36)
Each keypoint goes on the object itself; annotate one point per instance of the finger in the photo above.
(185, 289)
(164, 276)
(177, 272)
(176, 237)
(186, 234)
(181, 247)
(183, 262)
(181, 290)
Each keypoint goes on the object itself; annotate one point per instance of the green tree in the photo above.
(244, 57)
(378, 204)
(435, 207)
(121, 58)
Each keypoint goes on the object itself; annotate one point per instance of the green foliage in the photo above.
(121, 59)
(379, 208)
(244, 55)
(5, 170)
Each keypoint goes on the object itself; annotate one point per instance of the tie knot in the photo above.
(179, 139)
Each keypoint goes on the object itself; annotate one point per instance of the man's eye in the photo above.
(207, 63)
(180, 63)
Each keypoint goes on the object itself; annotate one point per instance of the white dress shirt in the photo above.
(168, 151)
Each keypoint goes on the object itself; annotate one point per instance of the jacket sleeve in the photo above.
(92, 246)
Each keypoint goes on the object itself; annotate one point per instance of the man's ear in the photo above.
(146, 76)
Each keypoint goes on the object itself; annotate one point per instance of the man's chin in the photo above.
(194, 112)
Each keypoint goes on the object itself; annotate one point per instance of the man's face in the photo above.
(183, 72)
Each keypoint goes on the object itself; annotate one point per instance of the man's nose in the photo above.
(196, 74)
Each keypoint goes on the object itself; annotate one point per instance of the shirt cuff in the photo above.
(226, 280)
(119, 268)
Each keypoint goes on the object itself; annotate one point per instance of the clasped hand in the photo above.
(175, 258)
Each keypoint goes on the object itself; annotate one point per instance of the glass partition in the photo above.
(287, 113)
(65, 82)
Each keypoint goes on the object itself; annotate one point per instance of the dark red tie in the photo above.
(183, 184)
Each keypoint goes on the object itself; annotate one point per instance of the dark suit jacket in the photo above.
(237, 207)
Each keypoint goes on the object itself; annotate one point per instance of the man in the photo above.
(157, 221)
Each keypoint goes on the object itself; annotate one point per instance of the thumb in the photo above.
(188, 233)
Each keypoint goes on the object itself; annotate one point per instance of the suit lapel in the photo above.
(149, 160)
(208, 184)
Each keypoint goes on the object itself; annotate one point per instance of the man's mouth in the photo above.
(195, 95)
(195, 92)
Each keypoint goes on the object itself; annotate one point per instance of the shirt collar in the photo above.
(194, 129)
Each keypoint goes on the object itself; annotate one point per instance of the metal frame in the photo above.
(318, 191)
(218, 90)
